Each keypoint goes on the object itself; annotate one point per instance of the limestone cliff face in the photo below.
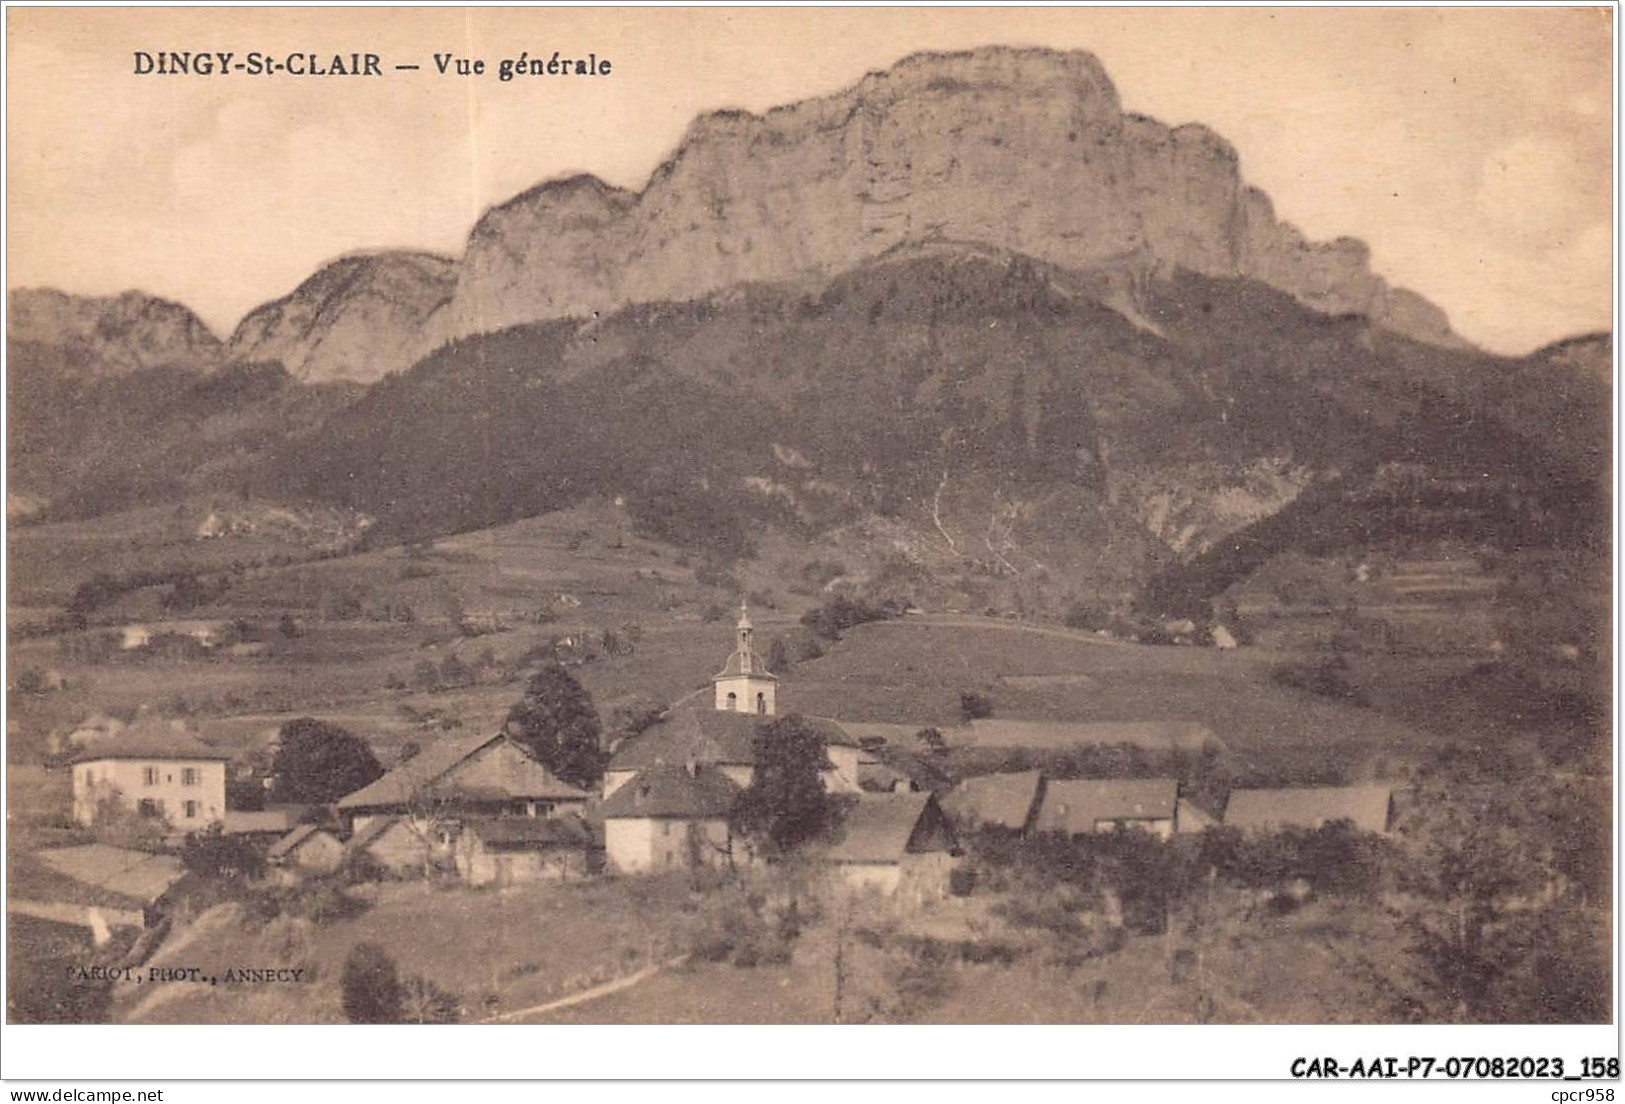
(359, 318)
(1027, 150)
(111, 335)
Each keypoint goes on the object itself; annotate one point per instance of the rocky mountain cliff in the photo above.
(359, 318)
(1021, 149)
(89, 336)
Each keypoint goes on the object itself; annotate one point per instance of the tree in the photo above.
(557, 723)
(785, 803)
(778, 656)
(371, 987)
(317, 763)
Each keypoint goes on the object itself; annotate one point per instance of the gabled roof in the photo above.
(701, 735)
(882, 828)
(671, 791)
(372, 833)
(1310, 807)
(149, 740)
(294, 840)
(137, 875)
(1160, 735)
(481, 767)
(1004, 800)
(530, 833)
(1075, 807)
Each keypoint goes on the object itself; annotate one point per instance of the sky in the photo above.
(1470, 148)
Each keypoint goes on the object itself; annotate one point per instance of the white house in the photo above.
(669, 817)
(159, 772)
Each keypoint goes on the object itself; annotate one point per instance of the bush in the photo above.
(371, 989)
(1090, 618)
(1331, 678)
(974, 705)
(840, 613)
(422, 1001)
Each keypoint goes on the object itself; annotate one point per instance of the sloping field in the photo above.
(912, 672)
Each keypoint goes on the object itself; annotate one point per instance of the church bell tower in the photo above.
(745, 685)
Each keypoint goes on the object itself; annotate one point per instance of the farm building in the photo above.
(397, 845)
(1087, 806)
(469, 776)
(157, 770)
(506, 851)
(669, 816)
(1010, 801)
(306, 848)
(95, 886)
(1368, 808)
(1192, 819)
(900, 844)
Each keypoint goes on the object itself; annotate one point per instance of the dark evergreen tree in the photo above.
(556, 722)
(371, 988)
(317, 763)
(786, 803)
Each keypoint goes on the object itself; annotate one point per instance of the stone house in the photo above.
(505, 851)
(899, 844)
(669, 817)
(159, 772)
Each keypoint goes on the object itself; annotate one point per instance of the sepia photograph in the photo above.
(1067, 516)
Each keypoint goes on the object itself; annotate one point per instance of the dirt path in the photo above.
(592, 993)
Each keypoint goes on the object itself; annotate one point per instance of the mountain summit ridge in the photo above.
(1023, 149)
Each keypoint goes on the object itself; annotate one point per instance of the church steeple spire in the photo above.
(745, 685)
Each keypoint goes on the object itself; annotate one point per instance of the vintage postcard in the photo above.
(797, 516)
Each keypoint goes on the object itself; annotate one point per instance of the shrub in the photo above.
(371, 989)
(974, 705)
(840, 613)
(422, 1001)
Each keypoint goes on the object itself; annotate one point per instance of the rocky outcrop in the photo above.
(93, 336)
(359, 318)
(1027, 150)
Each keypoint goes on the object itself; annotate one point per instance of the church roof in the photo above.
(701, 735)
(697, 735)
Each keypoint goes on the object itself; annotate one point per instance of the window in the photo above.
(761, 705)
(147, 807)
(189, 776)
(733, 701)
(191, 810)
(149, 776)
(665, 827)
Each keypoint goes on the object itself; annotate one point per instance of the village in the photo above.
(721, 782)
